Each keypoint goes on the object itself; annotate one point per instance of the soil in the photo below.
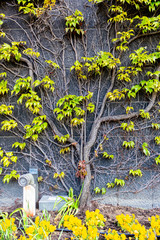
(110, 212)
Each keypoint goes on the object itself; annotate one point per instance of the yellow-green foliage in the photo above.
(6, 110)
(130, 144)
(7, 51)
(8, 125)
(28, 7)
(145, 149)
(3, 86)
(38, 125)
(135, 172)
(73, 23)
(30, 52)
(71, 105)
(93, 65)
(128, 126)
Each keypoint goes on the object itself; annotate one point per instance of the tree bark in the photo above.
(86, 193)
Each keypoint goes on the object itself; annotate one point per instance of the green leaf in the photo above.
(30, 52)
(106, 155)
(124, 125)
(145, 144)
(14, 159)
(53, 64)
(20, 145)
(145, 149)
(157, 159)
(7, 125)
(37, 83)
(8, 177)
(34, 137)
(128, 144)
(156, 126)
(135, 172)
(110, 185)
(97, 190)
(1, 153)
(120, 182)
(103, 191)
(91, 107)
(157, 140)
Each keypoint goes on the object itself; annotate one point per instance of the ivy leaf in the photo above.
(110, 185)
(37, 83)
(91, 107)
(124, 125)
(103, 191)
(40, 179)
(97, 190)
(145, 144)
(120, 182)
(157, 159)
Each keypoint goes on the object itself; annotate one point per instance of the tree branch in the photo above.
(99, 121)
(29, 64)
(131, 115)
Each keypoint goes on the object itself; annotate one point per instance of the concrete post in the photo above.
(29, 193)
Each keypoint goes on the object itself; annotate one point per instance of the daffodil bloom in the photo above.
(40, 229)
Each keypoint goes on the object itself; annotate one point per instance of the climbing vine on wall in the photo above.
(86, 106)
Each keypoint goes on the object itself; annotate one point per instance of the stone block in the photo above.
(109, 198)
(7, 141)
(156, 189)
(58, 19)
(19, 35)
(138, 193)
(116, 108)
(10, 194)
(94, 42)
(137, 105)
(51, 203)
(141, 200)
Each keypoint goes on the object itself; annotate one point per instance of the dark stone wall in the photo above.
(57, 45)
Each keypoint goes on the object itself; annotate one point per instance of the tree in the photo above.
(67, 128)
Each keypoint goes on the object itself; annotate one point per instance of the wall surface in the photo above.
(55, 44)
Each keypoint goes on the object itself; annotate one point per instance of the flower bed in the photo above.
(92, 227)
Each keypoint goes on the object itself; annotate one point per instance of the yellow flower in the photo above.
(30, 230)
(84, 233)
(40, 231)
(22, 238)
(113, 235)
(52, 228)
(8, 224)
(37, 220)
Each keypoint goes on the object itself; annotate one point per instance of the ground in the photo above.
(110, 212)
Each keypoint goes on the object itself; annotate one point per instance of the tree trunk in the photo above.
(86, 195)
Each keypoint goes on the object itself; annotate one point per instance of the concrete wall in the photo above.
(138, 192)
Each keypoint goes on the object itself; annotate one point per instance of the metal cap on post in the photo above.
(26, 179)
